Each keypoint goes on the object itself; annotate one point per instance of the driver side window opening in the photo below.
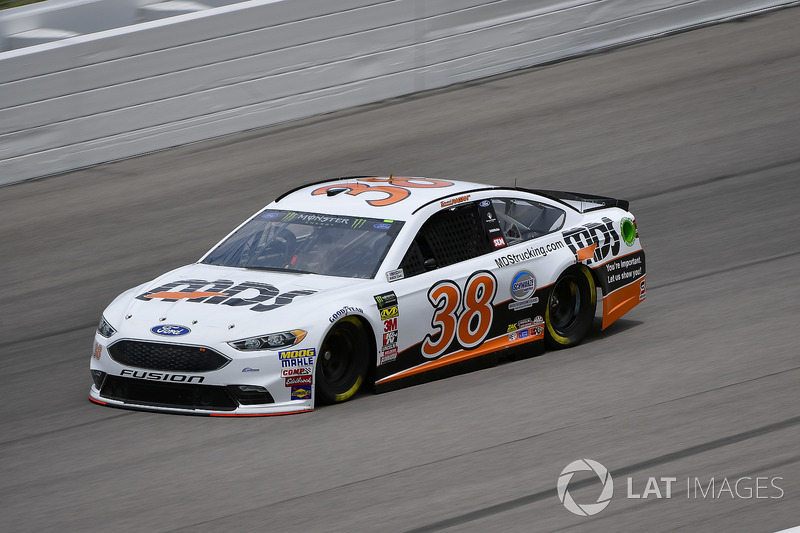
(448, 237)
(522, 220)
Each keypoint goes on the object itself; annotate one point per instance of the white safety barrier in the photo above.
(121, 92)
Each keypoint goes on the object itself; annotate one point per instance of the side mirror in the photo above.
(429, 264)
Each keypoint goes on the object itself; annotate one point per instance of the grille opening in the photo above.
(178, 395)
(250, 394)
(166, 357)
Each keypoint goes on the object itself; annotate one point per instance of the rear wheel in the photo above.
(570, 308)
(342, 364)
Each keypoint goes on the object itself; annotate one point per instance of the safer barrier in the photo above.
(104, 96)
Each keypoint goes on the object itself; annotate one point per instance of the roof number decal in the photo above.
(395, 189)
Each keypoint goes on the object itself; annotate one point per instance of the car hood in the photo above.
(226, 298)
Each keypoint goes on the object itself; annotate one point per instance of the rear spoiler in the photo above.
(583, 202)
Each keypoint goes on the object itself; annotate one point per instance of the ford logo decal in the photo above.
(381, 226)
(170, 330)
(484, 203)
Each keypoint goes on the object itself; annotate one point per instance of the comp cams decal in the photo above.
(224, 292)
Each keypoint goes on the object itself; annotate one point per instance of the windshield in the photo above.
(293, 241)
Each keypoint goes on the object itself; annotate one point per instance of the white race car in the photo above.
(367, 281)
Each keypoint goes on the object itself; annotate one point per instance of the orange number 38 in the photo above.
(466, 317)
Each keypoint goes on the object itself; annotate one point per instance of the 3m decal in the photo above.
(224, 292)
(393, 189)
(389, 325)
(466, 318)
(389, 312)
(593, 242)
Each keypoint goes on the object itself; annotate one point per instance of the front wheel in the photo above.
(342, 364)
(570, 308)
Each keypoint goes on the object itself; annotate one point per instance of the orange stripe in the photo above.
(182, 295)
(264, 414)
(462, 355)
(97, 401)
(621, 301)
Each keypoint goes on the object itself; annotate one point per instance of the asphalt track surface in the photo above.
(699, 130)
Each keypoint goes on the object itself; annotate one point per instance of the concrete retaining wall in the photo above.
(120, 92)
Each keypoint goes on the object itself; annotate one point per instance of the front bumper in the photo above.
(250, 384)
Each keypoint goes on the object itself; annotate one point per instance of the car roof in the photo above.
(387, 197)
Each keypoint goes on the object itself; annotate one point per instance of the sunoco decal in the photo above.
(224, 292)
(301, 392)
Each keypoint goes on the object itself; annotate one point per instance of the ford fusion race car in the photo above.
(367, 281)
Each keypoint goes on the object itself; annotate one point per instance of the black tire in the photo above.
(570, 308)
(343, 362)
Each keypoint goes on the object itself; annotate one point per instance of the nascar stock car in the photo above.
(367, 281)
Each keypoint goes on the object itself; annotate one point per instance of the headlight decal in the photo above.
(271, 341)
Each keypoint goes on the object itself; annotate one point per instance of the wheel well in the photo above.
(372, 343)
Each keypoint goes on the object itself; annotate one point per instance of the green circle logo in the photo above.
(628, 231)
